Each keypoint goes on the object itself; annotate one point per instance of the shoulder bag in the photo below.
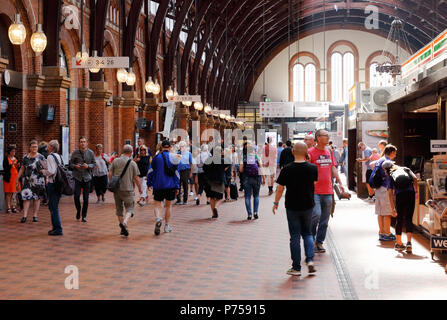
(114, 183)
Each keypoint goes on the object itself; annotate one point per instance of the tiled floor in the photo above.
(227, 258)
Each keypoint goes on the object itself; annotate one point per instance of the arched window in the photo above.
(298, 82)
(342, 76)
(310, 82)
(64, 65)
(379, 80)
(304, 77)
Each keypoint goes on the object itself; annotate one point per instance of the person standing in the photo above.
(269, 154)
(82, 162)
(164, 179)
(141, 145)
(100, 172)
(185, 168)
(299, 179)
(403, 185)
(309, 140)
(367, 153)
(54, 194)
(382, 145)
(11, 168)
(143, 162)
(253, 178)
(202, 157)
(321, 155)
(33, 184)
(344, 158)
(125, 195)
(286, 155)
(383, 208)
(279, 150)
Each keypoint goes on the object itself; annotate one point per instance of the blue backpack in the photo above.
(376, 179)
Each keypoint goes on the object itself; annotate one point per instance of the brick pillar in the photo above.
(54, 92)
(82, 116)
(99, 128)
(185, 117)
(130, 102)
(117, 123)
(217, 123)
(203, 124)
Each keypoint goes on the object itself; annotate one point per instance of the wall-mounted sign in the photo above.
(101, 62)
(311, 109)
(186, 98)
(438, 146)
(438, 243)
(276, 109)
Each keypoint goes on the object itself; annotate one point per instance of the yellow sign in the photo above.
(352, 101)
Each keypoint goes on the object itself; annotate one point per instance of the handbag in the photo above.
(168, 170)
(114, 183)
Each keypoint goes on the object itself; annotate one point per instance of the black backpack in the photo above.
(401, 179)
(168, 170)
(376, 180)
(63, 181)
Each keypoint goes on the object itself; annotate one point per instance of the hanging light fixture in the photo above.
(149, 86)
(198, 106)
(131, 78)
(156, 88)
(222, 116)
(94, 70)
(17, 31)
(187, 103)
(121, 75)
(207, 108)
(169, 93)
(38, 40)
(175, 93)
(83, 54)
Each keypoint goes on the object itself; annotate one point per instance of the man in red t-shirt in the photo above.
(324, 159)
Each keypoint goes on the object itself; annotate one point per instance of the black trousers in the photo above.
(405, 202)
(201, 179)
(100, 184)
(184, 184)
(85, 193)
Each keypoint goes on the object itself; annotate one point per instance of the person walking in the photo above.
(54, 194)
(11, 168)
(143, 162)
(299, 179)
(215, 179)
(286, 155)
(253, 178)
(269, 154)
(185, 168)
(163, 178)
(367, 153)
(202, 157)
(124, 197)
(403, 186)
(100, 172)
(82, 162)
(321, 155)
(309, 140)
(141, 146)
(195, 172)
(383, 208)
(33, 183)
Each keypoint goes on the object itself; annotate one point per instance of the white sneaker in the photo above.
(191, 194)
(167, 228)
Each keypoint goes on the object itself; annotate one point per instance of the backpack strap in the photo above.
(57, 161)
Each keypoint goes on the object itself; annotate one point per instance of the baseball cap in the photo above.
(387, 164)
(165, 144)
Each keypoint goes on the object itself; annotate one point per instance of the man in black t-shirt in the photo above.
(286, 155)
(299, 178)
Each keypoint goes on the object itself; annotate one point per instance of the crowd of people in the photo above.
(176, 172)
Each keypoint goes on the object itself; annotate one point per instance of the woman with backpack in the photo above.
(54, 194)
(403, 185)
(252, 178)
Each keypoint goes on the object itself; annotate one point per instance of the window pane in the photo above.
(379, 80)
(348, 75)
(298, 82)
(337, 77)
(310, 75)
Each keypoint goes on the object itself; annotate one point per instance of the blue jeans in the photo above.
(252, 186)
(320, 216)
(300, 225)
(53, 205)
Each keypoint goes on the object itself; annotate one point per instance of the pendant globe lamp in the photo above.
(169, 93)
(17, 31)
(94, 70)
(131, 78)
(38, 40)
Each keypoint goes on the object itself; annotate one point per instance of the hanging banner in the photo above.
(311, 109)
(185, 98)
(101, 62)
(276, 109)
